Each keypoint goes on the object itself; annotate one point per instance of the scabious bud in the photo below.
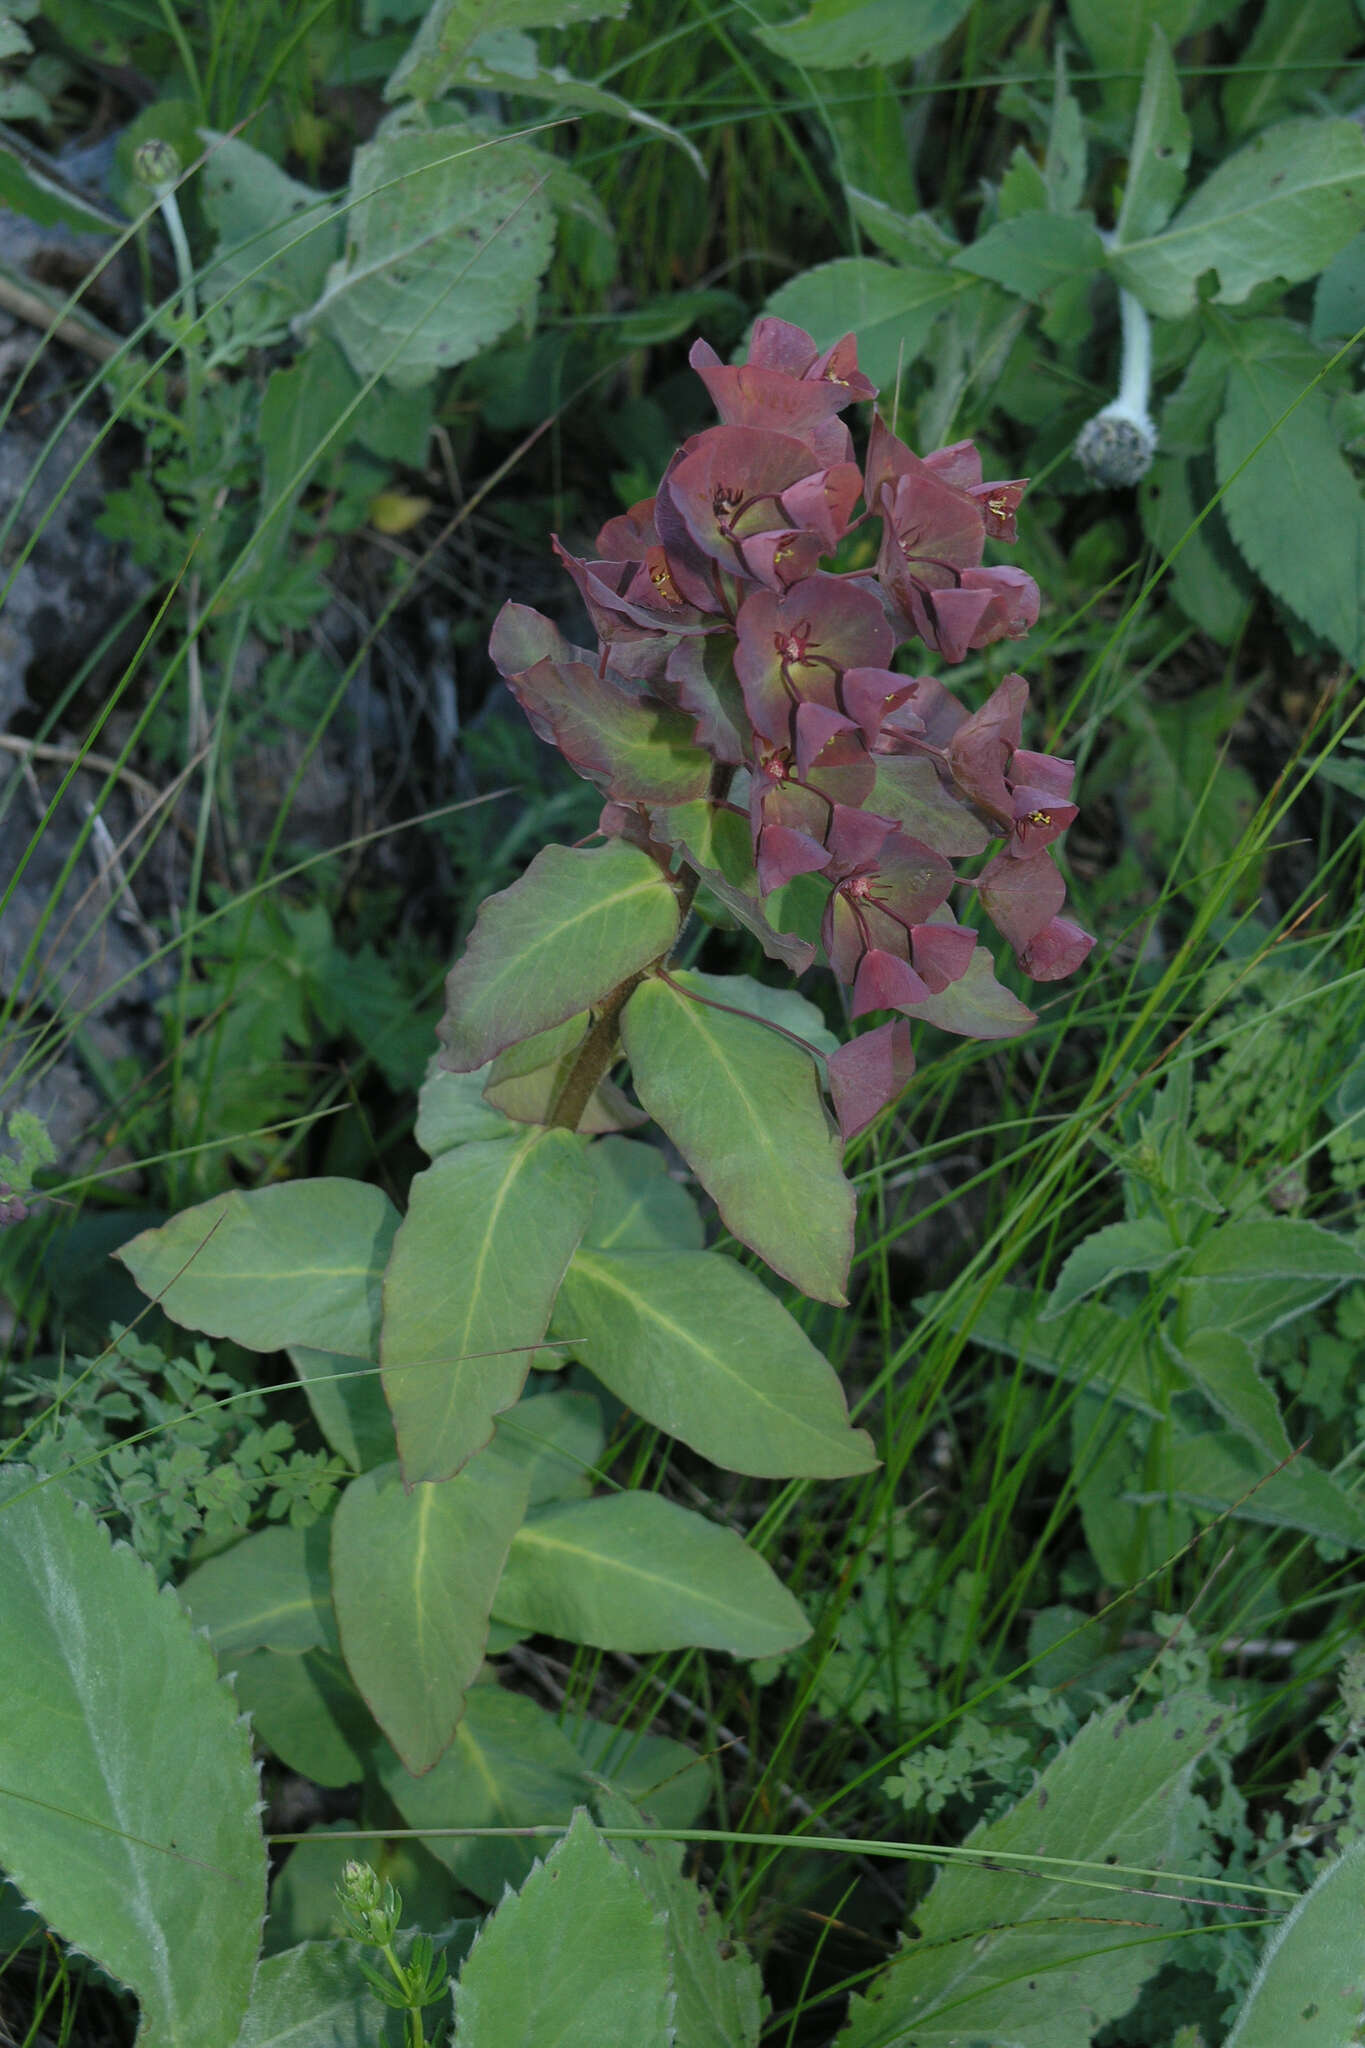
(738, 677)
(156, 163)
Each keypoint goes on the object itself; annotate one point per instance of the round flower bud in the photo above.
(1116, 447)
(156, 163)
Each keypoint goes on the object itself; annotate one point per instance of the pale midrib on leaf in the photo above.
(533, 1535)
(694, 1014)
(522, 961)
(1264, 201)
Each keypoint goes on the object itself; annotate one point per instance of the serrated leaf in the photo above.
(1221, 1472)
(1263, 1248)
(504, 61)
(413, 1574)
(299, 1263)
(452, 27)
(632, 1571)
(448, 233)
(666, 1779)
(579, 922)
(1309, 1989)
(743, 1106)
(1107, 1255)
(1295, 509)
(575, 1960)
(510, 1766)
(700, 1348)
(276, 237)
(306, 1712)
(718, 1989)
(269, 1591)
(639, 1207)
(890, 307)
(1208, 578)
(128, 1812)
(1041, 1957)
(1034, 252)
(915, 239)
(1281, 62)
(473, 1277)
(835, 34)
(1160, 152)
(1223, 1367)
(1255, 1307)
(1280, 208)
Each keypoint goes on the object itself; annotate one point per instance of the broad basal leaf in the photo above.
(576, 1960)
(578, 923)
(1040, 1956)
(838, 33)
(1310, 1988)
(1280, 208)
(128, 1795)
(413, 1574)
(743, 1106)
(1160, 152)
(555, 1440)
(448, 233)
(475, 1270)
(891, 308)
(1295, 510)
(1034, 252)
(269, 1591)
(348, 1404)
(632, 1571)
(510, 1766)
(299, 1263)
(700, 1348)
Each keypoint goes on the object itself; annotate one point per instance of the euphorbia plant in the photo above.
(743, 719)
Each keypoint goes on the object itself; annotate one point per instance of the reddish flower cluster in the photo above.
(732, 665)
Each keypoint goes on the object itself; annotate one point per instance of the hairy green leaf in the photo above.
(275, 236)
(127, 1790)
(700, 1348)
(1275, 1248)
(1160, 152)
(743, 1106)
(837, 33)
(1223, 1367)
(315, 1995)
(1035, 252)
(473, 1277)
(413, 1575)
(1107, 1255)
(1218, 1471)
(298, 1263)
(575, 1960)
(632, 1571)
(578, 923)
(890, 307)
(1278, 66)
(1309, 1991)
(505, 61)
(451, 28)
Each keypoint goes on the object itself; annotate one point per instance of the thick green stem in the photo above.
(595, 1057)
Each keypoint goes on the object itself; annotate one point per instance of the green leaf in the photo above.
(128, 1797)
(348, 1405)
(315, 1995)
(835, 34)
(1295, 510)
(452, 1110)
(667, 1780)
(1032, 253)
(908, 791)
(1118, 38)
(270, 1591)
(302, 409)
(555, 1440)
(1255, 1308)
(307, 1713)
(639, 1207)
(1064, 159)
(1339, 301)
(1208, 578)
(298, 1263)
(526, 1080)
(717, 842)
(790, 1011)
(276, 237)
(504, 61)
(1223, 1367)
(1107, 1255)
(510, 1766)
(632, 1571)
(448, 234)
(1309, 1990)
(1275, 1248)
(1160, 152)
(1032, 1957)
(576, 1959)
(700, 1348)
(452, 27)
(1277, 67)
(1220, 1472)
(579, 922)
(717, 1986)
(475, 1270)
(1281, 208)
(413, 1575)
(1093, 1346)
(914, 239)
(25, 188)
(977, 1005)
(890, 307)
(743, 1106)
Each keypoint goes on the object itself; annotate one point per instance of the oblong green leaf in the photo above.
(837, 33)
(1275, 1248)
(1141, 1246)
(1160, 152)
(1034, 252)
(743, 1106)
(1282, 208)
(315, 1995)
(632, 1571)
(270, 1591)
(1223, 1367)
(413, 1574)
(1309, 1991)
(473, 1277)
(639, 1207)
(128, 1795)
(575, 1960)
(700, 1348)
(579, 922)
(1222, 1472)
(307, 1713)
(301, 1263)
